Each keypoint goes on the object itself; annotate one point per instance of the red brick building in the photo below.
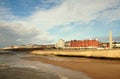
(84, 43)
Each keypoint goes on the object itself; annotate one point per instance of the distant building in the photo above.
(68, 44)
(116, 44)
(104, 45)
(84, 43)
(11, 47)
(60, 43)
(50, 46)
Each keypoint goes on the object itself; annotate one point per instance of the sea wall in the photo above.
(92, 53)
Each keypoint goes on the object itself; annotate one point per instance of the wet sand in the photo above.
(95, 68)
(24, 73)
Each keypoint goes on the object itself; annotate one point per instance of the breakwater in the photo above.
(90, 53)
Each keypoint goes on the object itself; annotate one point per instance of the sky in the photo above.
(46, 21)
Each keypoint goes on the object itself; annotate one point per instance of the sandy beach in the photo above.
(95, 68)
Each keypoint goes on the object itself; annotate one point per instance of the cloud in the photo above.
(35, 27)
(110, 15)
(106, 38)
(6, 14)
(50, 18)
(48, 4)
(75, 10)
(88, 10)
(17, 34)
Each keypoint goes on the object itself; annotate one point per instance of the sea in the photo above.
(14, 63)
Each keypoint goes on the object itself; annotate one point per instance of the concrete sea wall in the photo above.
(92, 53)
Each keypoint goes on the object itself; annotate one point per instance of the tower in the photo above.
(110, 39)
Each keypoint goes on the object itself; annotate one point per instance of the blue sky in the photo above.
(25, 8)
(46, 21)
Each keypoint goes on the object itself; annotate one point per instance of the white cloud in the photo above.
(35, 27)
(110, 15)
(16, 33)
(66, 29)
(6, 14)
(87, 10)
(72, 10)
(50, 18)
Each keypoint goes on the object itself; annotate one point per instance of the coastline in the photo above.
(18, 62)
(95, 68)
(114, 53)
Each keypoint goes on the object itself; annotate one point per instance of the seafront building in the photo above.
(85, 44)
(60, 43)
(115, 44)
(81, 44)
(92, 43)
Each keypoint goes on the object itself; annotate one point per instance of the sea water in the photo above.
(62, 73)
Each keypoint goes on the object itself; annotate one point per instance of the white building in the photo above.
(116, 44)
(60, 43)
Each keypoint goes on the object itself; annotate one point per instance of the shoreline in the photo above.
(115, 54)
(95, 68)
(17, 61)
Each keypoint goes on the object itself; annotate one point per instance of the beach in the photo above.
(21, 63)
(94, 68)
(25, 73)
